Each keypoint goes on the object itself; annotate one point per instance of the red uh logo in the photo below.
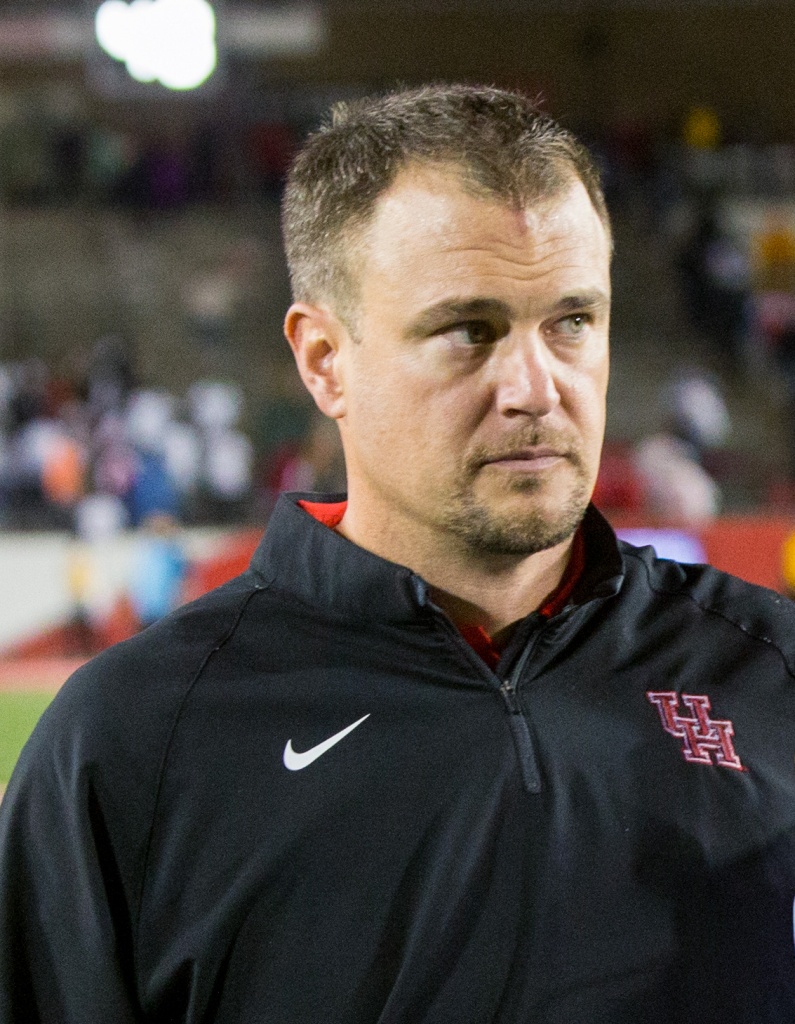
(703, 737)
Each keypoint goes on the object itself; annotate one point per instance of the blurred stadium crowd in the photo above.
(91, 449)
(51, 153)
(96, 453)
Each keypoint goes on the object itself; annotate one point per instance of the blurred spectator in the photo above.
(701, 129)
(110, 155)
(28, 398)
(120, 455)
(114, 457)
(228, 466)
(152, 488)
(44, 455)
(628, 160)
(61, 151)
(784, 352)
(182, 452)
(695, 411)
(700, 153)
(775, 256)
(159, 570)
(776, 324)
(100, 516)
(215, 405)
(148, 413)
(80, 575)
(109, 376)
(6, 396)
(132, 190)
(676, 483)
(678, 489)
(313, 464)
(63, 471)
(153, 491)
(212, 299)
(619, 485)
(716, 285)
(169, 176)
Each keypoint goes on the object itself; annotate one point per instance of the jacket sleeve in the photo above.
(76, 819)
(65, 923)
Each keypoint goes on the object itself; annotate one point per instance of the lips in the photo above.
(535, 454)
(525, 454)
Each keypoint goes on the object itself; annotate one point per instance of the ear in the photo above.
(315, 336)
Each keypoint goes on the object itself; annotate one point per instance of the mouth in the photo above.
(527, 460)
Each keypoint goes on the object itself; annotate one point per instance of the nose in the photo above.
(527, 382)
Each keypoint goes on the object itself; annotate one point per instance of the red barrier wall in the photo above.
(746, 546)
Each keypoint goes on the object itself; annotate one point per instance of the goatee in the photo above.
(489, 531)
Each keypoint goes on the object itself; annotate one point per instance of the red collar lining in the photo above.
(482, 644)
(330, 514)
(558, 599)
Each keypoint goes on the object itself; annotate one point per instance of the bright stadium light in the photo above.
(166, 41)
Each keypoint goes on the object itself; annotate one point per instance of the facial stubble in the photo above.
(484, 529)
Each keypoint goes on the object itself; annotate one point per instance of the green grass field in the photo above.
(19, 712)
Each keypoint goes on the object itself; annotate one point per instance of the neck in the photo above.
(472, 587)
(495, 600)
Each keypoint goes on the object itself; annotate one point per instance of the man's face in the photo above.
(474, 396)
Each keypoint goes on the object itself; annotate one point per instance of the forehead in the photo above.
(428, 234)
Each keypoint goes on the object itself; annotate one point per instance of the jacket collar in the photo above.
(318, 567)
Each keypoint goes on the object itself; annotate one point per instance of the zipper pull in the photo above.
(531, 776)
(511, 698)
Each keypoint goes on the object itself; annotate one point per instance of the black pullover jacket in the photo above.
(303, 799)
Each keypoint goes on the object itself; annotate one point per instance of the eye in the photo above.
(574, 325)
(472, 332)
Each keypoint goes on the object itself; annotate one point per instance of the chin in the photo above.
(520, 529)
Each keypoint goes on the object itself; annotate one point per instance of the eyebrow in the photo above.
(451, 310)
(593, 298)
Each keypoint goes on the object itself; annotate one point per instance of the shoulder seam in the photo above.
(718, 614)
(216, 646)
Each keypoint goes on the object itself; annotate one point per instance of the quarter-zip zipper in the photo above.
(523, 741)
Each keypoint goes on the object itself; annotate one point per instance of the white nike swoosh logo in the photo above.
(295, 761)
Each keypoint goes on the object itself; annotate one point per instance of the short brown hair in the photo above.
(502, 144)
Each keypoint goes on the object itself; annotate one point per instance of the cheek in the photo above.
(383, 419)
(406, 394)
(411, 434)
(588, 409)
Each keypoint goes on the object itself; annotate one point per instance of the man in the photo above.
(447, 752)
